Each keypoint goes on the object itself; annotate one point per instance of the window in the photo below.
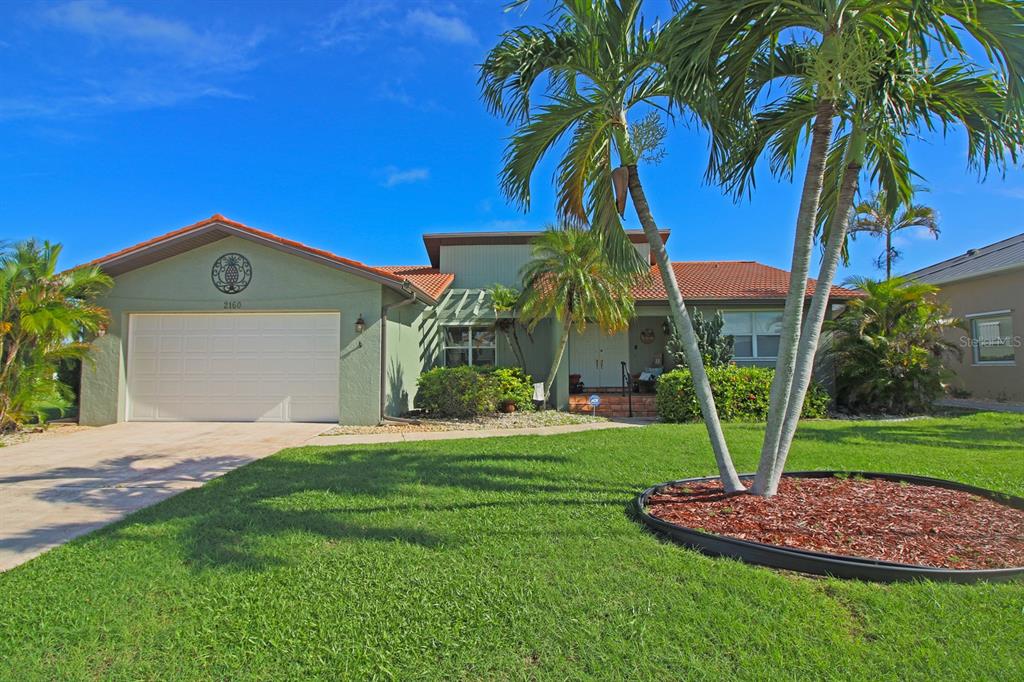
(993, 338)
(755, 334)
(469, 346)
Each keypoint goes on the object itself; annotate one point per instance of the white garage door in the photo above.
(234, 367)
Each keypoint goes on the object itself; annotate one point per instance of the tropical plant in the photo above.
(512, 385)
(505, 301)
(598, 62)
(889, 347)
(879, 216)
(716, 348)
(570, 278)
(46, 317)
(857, 78)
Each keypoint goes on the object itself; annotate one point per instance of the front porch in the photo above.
(614, 404)
(612, 363)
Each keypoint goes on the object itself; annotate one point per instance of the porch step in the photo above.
(615, 405)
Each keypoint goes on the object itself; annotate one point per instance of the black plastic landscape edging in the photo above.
(823, 563)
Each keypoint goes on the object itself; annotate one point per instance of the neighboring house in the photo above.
(220, 321)
(985, 288)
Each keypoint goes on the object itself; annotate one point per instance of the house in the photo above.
(985, 288)
(221, 321)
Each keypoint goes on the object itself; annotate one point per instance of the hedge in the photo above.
(741, 394)
(470, 392)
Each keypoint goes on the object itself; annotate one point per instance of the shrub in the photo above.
(889, 348)
(455, 392)
(741, 394)
(512, 384)
(470, 392)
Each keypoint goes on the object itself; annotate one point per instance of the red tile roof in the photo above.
(726, 280)
(431, 280)
(218, 219)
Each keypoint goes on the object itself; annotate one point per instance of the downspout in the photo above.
(384, 353)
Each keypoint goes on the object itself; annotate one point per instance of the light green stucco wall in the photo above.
(411, 341)
(280, 282)
(478, 266)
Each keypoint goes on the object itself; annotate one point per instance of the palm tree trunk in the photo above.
(562, 343)
(819, 307)
(518, 347)
(691, 350)
(888, 255)
(789, 339)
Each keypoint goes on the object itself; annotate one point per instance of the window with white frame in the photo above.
(470, 346)
(755, 333)
(993, 339)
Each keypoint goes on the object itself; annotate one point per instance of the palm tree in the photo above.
(505, 300)
(599, 63)
(570, 278)
(855, 76)
(878, 217)
(46, 316)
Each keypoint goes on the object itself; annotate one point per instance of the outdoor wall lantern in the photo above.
(360, 324)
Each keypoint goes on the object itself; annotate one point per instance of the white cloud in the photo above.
(358, 25)
(138, 61)
(450, 29)
(120, 27)
(397, 176)
(354, 24)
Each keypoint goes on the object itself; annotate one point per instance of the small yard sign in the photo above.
(595, 402)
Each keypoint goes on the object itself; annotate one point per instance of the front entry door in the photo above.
(597, 357)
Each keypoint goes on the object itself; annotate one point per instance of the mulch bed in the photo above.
(874, 519)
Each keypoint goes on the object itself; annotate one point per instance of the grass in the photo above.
(510, 558)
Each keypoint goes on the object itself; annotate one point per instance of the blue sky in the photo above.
(352, 126)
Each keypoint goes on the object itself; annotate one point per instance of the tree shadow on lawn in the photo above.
(330, 492)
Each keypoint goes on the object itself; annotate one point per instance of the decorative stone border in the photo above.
(821, 563)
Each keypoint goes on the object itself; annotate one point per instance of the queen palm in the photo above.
(569, 278)
(46, 316)
(600, 64)
(860, 88)
(878, 216)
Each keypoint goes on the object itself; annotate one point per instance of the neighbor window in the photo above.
(755, 334)
(469, 346)
(993, 338)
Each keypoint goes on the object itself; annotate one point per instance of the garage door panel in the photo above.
(233, 367)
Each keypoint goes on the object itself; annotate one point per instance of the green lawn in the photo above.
(508, 558)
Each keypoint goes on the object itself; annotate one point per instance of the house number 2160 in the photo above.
(232, 305)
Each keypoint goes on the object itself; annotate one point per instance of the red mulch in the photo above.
(874, 519)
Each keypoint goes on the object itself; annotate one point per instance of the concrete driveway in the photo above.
(54, 489)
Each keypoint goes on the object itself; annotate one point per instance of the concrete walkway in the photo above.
(983, 405)
(411, 436)
(54, 489)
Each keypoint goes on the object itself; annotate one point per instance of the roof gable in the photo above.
(218, 227)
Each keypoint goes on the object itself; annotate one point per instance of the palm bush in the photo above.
(505, 300)
(889, 348)
(46, 318)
